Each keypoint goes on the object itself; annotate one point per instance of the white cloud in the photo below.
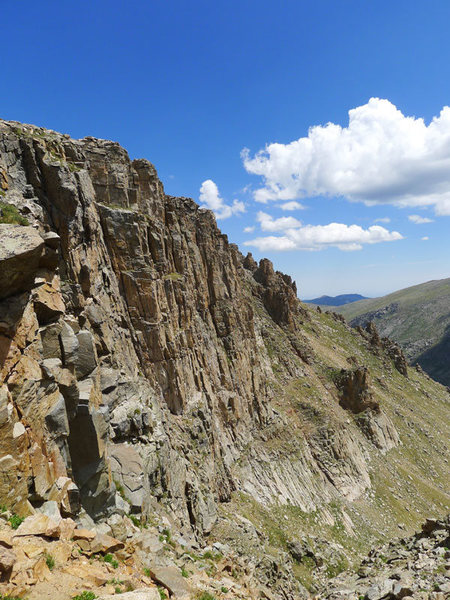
(381, 157)
(211, 199)
(268, 223)
(418, 220)
(293, 205)
(425, 238)
(319, 237)
(383, 220)
(249, 229)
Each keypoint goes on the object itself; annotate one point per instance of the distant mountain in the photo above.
(336, 300)
(418, 318)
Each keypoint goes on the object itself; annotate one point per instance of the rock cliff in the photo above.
(148, 368)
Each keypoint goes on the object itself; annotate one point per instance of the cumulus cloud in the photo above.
(268, 223)
(293, 205)
(383, 220)
(211, 199)
(425, 238)
(319, 237)
(382, 156)
(249, 229)
(418, 220)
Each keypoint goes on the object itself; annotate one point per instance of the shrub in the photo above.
(85, 596)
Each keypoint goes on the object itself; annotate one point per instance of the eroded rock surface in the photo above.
(148, 368)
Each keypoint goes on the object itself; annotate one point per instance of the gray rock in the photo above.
(51, 347)
(380, 590)
(69, 344)
(128, 470)
(51, 509)
(86, 359)
(20, 251)
(51, 239)
(171, 579)
(56, 419)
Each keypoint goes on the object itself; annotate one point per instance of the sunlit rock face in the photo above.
(147, 366)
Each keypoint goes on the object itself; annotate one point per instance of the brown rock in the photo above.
(87, 572)
(84, 534)
(7, 561)
(105, 543)
(39, 525)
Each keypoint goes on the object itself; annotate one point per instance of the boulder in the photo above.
(105, 543)
(380, 590)
(171, 579)
(20, 251)
(40, 525)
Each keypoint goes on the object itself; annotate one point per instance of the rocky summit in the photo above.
(173, 420)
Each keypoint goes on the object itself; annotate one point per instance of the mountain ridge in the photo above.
(336, 300)
(150, 370)
(418, 318)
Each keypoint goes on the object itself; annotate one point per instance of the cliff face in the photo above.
(141, 352)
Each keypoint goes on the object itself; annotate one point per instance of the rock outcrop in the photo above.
(148, 368)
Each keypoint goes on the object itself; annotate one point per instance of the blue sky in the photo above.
(190, 84)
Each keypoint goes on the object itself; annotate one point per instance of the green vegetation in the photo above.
(417, 318)
(109, 558)
(162, 593)
(15, 521)
(184, 573)
(49, 561)
(10, 215)
(85, 596)
(137, 521)
(173, 276)
(205, 596)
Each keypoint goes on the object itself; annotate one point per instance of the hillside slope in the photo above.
(418, 318)
(148, 368)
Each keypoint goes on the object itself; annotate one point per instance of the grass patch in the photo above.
(109, 558)
(9, 215)
(85, 596)
(49, 561)
(162, 593)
